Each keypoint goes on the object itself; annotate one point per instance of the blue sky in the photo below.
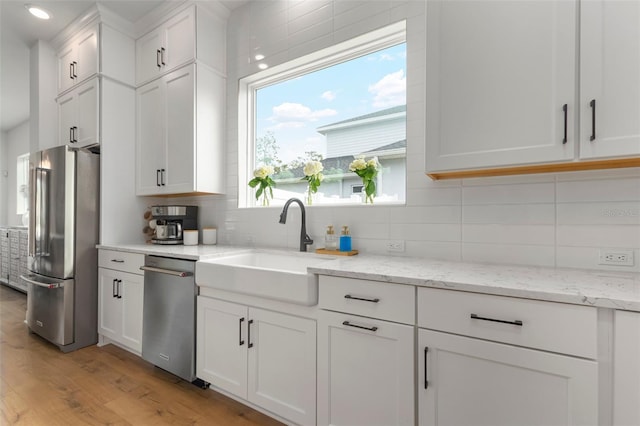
(294, 109)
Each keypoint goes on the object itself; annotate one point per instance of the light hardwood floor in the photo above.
(39, 385)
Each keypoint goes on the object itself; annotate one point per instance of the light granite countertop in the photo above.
(618, 290)
(199, 252)
(606, 289)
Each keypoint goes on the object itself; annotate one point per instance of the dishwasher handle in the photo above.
(181, 274)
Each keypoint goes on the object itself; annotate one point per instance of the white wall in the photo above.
(551, 220)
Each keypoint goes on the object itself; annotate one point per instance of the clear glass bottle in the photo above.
(345, 239)
(330, 239)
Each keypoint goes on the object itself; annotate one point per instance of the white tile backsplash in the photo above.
(547, 219)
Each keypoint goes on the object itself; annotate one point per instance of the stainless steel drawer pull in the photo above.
(516, 322)
(348, 296)
(181, 274)
(348, 324)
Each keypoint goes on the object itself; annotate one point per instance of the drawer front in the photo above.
(121, 261)
(556, 327)
(393, 302)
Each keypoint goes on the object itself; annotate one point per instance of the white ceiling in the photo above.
(19, 31)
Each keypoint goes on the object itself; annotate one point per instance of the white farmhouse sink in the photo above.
(275, 275)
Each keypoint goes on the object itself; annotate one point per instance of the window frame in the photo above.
(356, 47)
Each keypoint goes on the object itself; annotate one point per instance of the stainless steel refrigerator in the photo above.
(62, 298)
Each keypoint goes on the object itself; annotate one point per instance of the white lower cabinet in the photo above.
(626, 368)
(365, 371)
(493, 360)
(467, 381)
(365, 353)
(120, 299)
(267, 358)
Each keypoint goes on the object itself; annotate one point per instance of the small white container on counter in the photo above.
(209, 236)
(190, 237)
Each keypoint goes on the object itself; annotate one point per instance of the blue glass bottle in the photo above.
(345, 239)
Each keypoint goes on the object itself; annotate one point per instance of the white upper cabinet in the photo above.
(501, 86)
(78, 59)
(78, 115)
(609, 79)
(167, 47)
(174, 123)
(499, 74)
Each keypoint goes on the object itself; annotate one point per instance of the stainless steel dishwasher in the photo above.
(169, 316)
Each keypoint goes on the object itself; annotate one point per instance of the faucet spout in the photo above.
(305, 240)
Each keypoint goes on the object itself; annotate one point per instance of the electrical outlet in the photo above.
(395, 245)
(618, 257)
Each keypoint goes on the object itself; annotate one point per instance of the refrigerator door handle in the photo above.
(42, 212)
(38, 283)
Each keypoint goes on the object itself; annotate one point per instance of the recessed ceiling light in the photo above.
(37, 11)
(263, 66)
(259, 57)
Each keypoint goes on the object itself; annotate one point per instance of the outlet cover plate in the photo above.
(395, 246)
(617, 257)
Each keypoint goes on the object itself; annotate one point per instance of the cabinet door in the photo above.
(221, 345)
(180, 126)
(151, 140)
(66, 57)
(148, 61)
(498, 75)
(626, 369)
(179, 40)
(610, 79)
(87, 54)
(109, 306)
(282, 365)
(132, 293)
(365, 371)
(67, 110)
(87, 96)
(471, 381)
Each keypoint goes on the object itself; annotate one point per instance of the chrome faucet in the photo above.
(305, 240)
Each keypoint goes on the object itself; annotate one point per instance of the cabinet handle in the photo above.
(158, 58)
(161, 177)
(249, 344)
(162, 56)
(516, 322)
(119, 289)
(348, 296)
(74, 69)
(70, 134)
(241, 342)
(113, 288)
(564, 110)
(71, 70)
(592, 104)
(426, 381)
(117, 260)
(75, 134)
(348, 324)
(157, 177)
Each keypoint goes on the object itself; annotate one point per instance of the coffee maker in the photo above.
(171, 221)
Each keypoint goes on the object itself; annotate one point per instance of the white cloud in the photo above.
(329, 95)
(390, 91)
(294, 115)
(386, 57)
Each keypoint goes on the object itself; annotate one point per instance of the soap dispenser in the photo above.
(345, 239)
(330, 240)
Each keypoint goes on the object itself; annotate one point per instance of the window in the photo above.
(22, 181)
(331, 106)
